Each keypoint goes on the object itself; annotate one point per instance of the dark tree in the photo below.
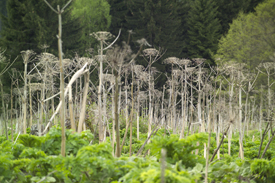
(2, 11)
(203, 30)
(157, 22)
(119, 9)
(29, 24)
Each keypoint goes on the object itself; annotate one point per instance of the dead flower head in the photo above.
(118, 55)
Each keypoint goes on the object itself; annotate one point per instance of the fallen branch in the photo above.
(75, 76)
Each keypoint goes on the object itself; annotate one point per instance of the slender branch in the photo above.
(65, 6)
(34, 67)
(216, 150)
(269, 142)
(113, 41)
(50, 6)
(262, 140)
(7, 67)
(51, 97)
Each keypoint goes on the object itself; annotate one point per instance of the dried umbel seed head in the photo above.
(143, 42)
(184, 62)
(14, 71)
(99, 57)
(118, 55)
(143, 76)
(109, 77)
(267, 65)
(27, 55)
(90, 50)
(46, 58)
(154, 70)
(138, 68)
(199, 61)
(43, 46)
(177, 72)
(35, 86)
(102, 35)
(190, 69)
(150, 52)
(80, 61)
(171, 60)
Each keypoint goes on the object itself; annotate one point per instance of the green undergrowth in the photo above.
(32, 159)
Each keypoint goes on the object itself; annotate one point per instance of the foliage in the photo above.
(250, 37)
(33, 158)
(178, 149)
(203, 30)
(94, 16)
(148, 170)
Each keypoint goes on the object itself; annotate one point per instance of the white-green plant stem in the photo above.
(113, 115)
(162, 106)
(240, 118)
(30, 100)
(71, 110)
(24, 100)
(83, 106)
(138, 107)
(183, 102)
(4, 111)
(261, 113)
(100, 124)
(150, 98)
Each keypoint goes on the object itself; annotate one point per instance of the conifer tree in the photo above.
(203, 30)
(118, 10)
(156, 21)
(2, 11)
(29, 24)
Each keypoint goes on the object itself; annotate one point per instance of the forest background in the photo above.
(181, 28)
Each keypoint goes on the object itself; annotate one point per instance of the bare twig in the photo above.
(113, 41)
(50, 6)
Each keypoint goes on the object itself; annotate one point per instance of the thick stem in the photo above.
(83, 107)
(25, 99)
(132, 111)
(62, 110)
(4, 111)
(30, 100)
(100, 124)
(138, 107)
(208, 147)
(116, 117)
(240, 120)
(267, 145)
(216, 150)
(11, 112)
(71, 110)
